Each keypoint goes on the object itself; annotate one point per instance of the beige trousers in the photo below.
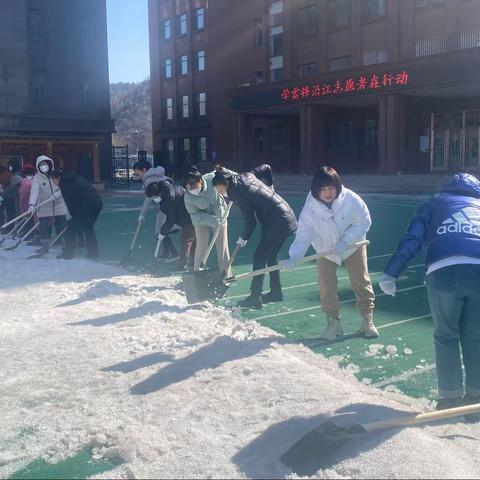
(357, 268)
(204, 235)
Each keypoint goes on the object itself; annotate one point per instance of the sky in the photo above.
(128, 55)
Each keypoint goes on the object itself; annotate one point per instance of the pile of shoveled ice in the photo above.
(95, 356)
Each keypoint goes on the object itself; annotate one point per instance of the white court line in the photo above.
(303, 285)
(404, 376)
(400, 322)
(309, 309)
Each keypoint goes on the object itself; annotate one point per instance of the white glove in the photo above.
(68, 216)
(57, 195)
(141, 219)
(160, 237)
(241, 242)
(388, 285)
(289, 264)
(31, 209)
(340, 247)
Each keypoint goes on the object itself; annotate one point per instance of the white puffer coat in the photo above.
(42, 189)
(348, 220)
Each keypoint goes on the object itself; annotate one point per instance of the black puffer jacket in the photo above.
(259, 203)
(173, 206)
(79, 194)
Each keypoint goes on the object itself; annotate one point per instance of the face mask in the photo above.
(157, 199)
(44, 168)
(196, 191)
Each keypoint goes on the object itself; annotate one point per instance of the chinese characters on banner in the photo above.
(362, 83)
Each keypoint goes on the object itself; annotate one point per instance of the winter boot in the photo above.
(272, 296)
(333, 329)
(252, 301)
(471, 400)
(446, 403)
(368, 328)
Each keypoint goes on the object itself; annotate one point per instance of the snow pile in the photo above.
(94, 357)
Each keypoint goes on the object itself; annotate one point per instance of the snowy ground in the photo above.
(93, 356)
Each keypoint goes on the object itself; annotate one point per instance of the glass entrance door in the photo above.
(455, 141)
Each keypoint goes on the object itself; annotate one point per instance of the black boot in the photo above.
(447, 403)
(471, 400)
(273, 296)
(252, 301)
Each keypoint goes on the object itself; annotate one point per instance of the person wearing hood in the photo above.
(28, 172)
(53, 212)
(171, 200)
(207, 209)
(7, 205)
(258, 202)
(448, 228)
(11, 190)
(84, 204)
(148, 174)
(333, 218)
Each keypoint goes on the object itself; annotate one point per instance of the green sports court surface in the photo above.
(404, 322)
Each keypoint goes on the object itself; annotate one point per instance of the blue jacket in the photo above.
(447, 225)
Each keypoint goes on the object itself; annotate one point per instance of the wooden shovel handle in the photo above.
(262, 271)
(420, 418)
(232, 258)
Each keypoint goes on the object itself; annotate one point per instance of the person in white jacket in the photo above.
(54, 212)
(332, 218)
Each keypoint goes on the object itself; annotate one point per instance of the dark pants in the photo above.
(266, 255)
(187, 248)
(84, 219)
(46, 224)
(454, 296)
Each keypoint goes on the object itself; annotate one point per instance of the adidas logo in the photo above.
(466, 221)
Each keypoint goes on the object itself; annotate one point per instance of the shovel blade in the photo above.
(9, 249)
(203, 285)
(318, 448)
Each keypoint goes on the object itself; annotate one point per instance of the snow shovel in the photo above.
(126, 259)
(23, 238)
(262, 271)
(24, 214)
(316, 450)
(202, 284)
(51, 244)
(16, 230)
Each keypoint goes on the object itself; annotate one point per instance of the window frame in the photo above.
(373, 18)
(180, 23)
(166, 66)
(180, 65)
(169, 109)
(334, 28)
(38, 38)
(169, 21)
(304, 33)
(197, 61)
(196, 16)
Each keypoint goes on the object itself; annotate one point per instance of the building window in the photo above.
(373, 9)
(84, 31)
(340, 63)
(308, 70)
(199, 19)
(259, 140)
(200, 61)
(85, 94)
(277, 136)
(276, 41)
(185, 149)
(258, 77)
(185, 106)
(39, 86)
(36, 25)
(182, 24)
(201, 149)
(167, 29)
(370, 136)
(424, 3)
(307, 21)
(169, 149)
(201, 101)
(339, 12)
(276, 69)
(169, 108)
(183, 65)
(276, 12)
(168, 68)
(375, 56)
(258, 33)
(340, 134)
(430, 46)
